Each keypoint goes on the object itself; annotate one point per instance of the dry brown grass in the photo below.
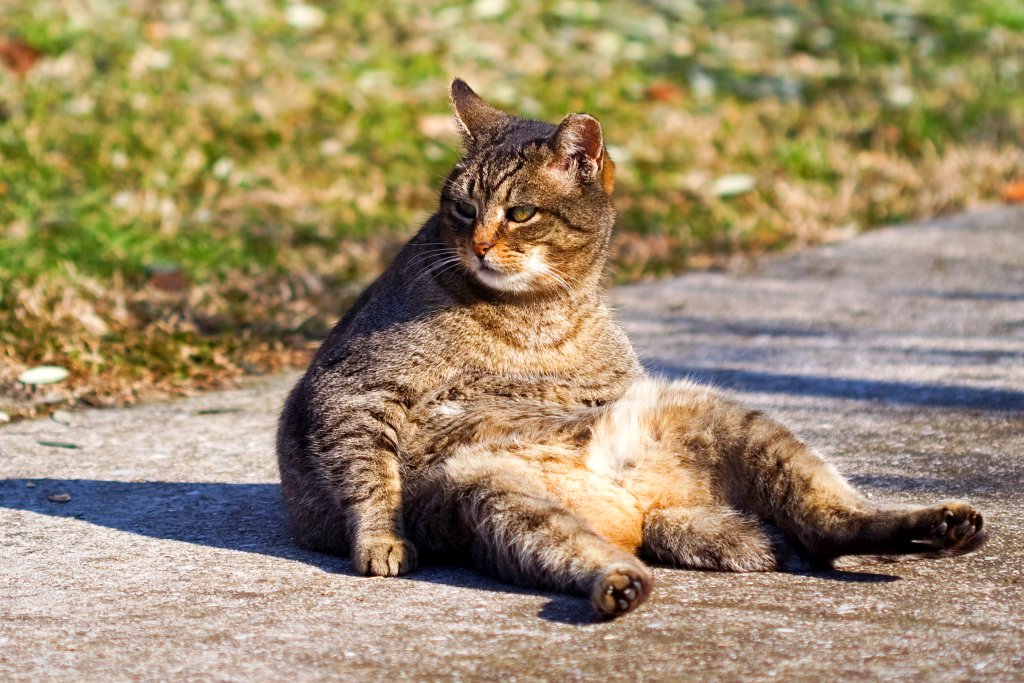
(194, 192)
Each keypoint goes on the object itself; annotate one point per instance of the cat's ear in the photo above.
(578, 145)
(478, 121)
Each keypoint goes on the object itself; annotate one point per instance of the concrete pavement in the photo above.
(149, 543)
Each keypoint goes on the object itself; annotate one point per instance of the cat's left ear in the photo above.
(579, 150)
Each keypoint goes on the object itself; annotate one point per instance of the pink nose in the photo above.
(481, 248)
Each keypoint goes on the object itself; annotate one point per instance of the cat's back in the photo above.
(386, 333)
(387, 314)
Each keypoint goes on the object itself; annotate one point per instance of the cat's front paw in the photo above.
(621, 589)
(385, 556)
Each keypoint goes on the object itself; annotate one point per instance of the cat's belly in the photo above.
(613, 511)
(624, 465)
(615, 495)
(616, 506)
(631, 464)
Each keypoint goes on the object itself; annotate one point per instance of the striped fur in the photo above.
(479, 403)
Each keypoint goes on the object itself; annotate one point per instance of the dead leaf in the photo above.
(18, 56)
(663, 91)
(169, 282)
(155, 31)
(1014, 192)
(167, 277)
(890, 134)
(437, 126)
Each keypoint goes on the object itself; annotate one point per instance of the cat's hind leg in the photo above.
(769, 471)
(707, 537)
(516, 530)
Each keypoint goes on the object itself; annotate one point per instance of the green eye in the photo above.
(466, 210)
(518, 214)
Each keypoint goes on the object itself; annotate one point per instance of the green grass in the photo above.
(276, 165)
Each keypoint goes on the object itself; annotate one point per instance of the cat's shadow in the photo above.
(246, 518)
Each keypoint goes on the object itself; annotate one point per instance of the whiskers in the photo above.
(442, 265)
(435, 259)
(564, 282)
(427, 255)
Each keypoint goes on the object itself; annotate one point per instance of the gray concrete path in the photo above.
(155, 549)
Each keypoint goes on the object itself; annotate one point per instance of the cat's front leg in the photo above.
(359, 443)
(378, 547)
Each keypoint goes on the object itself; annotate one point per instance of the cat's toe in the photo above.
(384, 557)
(621, 589)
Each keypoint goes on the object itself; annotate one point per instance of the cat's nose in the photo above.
(481, 248)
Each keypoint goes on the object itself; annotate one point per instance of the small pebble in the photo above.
(59, 497)
(733, 184)
(43, 374)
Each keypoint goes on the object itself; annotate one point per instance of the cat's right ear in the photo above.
(579, 151)
(478, 121)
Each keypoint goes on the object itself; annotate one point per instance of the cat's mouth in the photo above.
(496, 277)
(499, 279)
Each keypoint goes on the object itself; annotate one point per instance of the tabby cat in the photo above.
(479, 403)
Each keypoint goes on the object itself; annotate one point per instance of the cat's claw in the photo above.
(384, 557)
(622, 589)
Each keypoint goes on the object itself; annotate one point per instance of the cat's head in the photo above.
(528, 208)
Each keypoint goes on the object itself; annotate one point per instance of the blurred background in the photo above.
(193, 191)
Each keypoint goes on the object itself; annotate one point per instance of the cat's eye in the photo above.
(518, 214)
(465, 209)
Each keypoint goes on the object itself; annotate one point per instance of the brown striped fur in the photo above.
(480, 402)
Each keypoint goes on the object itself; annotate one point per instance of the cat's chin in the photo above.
(517, 283)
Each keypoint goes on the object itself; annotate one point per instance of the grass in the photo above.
(194, 191)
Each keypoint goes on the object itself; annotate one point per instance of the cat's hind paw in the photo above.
(384, 557)
(955, 528)
(621, 589)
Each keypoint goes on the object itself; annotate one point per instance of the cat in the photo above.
(478, 403)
